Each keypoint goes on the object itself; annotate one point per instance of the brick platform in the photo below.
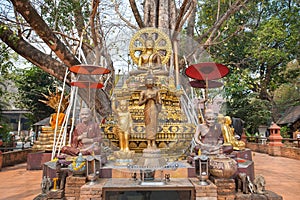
(36, 160)
(225, 188)
(88, 192)
(72, 188)
(207, 192)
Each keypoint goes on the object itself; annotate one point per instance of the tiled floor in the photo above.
(281, 175)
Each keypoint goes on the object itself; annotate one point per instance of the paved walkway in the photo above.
(16, 183)
(281, 174)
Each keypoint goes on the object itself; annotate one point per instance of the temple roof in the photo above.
(43, 122)
(291, 115)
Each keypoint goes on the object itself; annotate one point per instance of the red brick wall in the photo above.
(288, 152)
(14, 157)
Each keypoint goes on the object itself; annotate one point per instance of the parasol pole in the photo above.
(205, 94)
(89, 94)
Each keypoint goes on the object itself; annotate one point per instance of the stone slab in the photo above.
(184, 170)
(36, 160)
(243, 154)
(127, 185)
(269, 195)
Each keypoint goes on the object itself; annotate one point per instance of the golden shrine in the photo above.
(174, 132)
(161, 171)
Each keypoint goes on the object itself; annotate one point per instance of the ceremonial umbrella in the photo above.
(204, 84)
(207, 71)
(87, 84)
(203, 72)
(89, 69)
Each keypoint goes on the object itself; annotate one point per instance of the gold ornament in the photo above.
(162, 44)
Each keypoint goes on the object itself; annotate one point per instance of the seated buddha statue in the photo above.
(208, 135)
(149, 60)
(228, 134)
(86, 138)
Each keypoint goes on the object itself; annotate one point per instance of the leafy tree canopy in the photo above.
(32, 83)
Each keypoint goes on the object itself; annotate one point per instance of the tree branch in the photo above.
(29, 52)
(136, 14)
(123, 18)
(235, 7)
(188, 14)
(214, 29)
(42, 29)
(180, 16)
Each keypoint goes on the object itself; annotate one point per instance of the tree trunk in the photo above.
(32, 54)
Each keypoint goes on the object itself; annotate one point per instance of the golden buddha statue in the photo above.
(153, 48)
(124, 125)
(57, 118)
(228, 134)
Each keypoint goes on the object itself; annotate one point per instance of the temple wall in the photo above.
(14, 157)
(288, 152)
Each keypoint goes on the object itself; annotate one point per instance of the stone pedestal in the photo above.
(124, 188)
(247, 167)
(184, 170)
(72, 188)
(269, 195)
(275, 140)
(36, 160)
(123, 158)
(151, 158)
(55, 194)
(244, 154)
(274, 150)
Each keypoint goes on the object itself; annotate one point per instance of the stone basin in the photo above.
(152, 183)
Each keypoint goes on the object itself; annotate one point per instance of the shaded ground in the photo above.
(281, 175)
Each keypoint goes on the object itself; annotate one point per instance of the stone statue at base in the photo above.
(86, 137)
(208, 136)
(152, 101)
(78, 166)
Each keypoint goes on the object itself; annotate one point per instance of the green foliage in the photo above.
(288, 93)
(5, 136)
(31, 84)
(6, 67)
(60, 15)
(257, 55)
(284, 131)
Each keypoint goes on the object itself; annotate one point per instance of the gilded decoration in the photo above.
(174, 132)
